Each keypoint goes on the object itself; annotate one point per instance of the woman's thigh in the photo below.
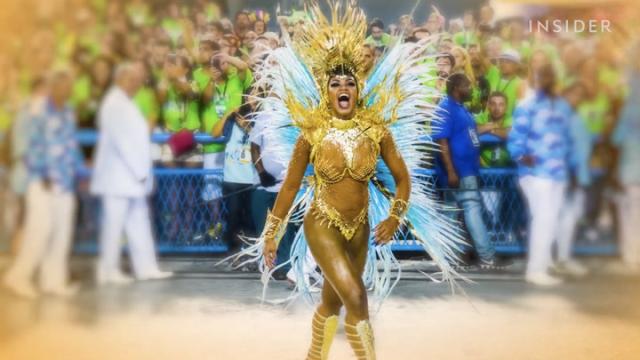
(358, 247)
(332, 253)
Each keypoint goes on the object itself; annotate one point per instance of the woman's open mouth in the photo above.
(344, 101)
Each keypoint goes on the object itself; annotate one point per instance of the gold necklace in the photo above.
(341, 124)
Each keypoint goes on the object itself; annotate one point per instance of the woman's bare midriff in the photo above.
(347, 196)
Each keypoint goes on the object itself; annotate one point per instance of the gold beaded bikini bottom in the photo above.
(330, 216)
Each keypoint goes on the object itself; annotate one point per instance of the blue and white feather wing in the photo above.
(287, 79)
(398, 87)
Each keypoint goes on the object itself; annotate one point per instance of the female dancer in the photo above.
(344, 156)
(322, 112)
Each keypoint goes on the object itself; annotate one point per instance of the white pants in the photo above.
(545, 198)
(130, 215)
(213, 183)
(47, 237)
(629, 218)
(571, 212)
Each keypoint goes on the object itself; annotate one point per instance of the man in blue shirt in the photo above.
(52, 161)
(540, 143)
(459, 163)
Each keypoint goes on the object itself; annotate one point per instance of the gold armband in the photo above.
(398, 209)
(273, 228)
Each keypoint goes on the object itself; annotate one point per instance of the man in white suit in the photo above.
(123, 178)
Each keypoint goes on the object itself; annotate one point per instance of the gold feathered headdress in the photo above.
(337, 43)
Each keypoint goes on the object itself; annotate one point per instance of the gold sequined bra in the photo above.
(345, 150)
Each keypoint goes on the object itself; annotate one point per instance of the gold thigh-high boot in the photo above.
(323, 329)
(360, 338)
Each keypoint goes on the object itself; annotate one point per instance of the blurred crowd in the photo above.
(194, 64)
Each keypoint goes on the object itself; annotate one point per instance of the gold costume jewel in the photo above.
(345, 149)
(339, 148)
(273, 228)
(398, 209)
(329, 215)
(327, 44)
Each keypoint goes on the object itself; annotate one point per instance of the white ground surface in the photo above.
(205, 315)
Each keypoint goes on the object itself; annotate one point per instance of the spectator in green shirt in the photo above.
(230, 44)
(222, 95)
(517, 39)
(509, 83)
(248, 43)
(435, 22)
(160, 48)
(377, 37)
(146, 98)
(242, 23)
(495, 121)
(179, 111)
(463, 65)
(88, 90)
(493, 49)
(171, 22)
(596, 107)
(206, 50)
(445, 43)
(467, 36)
(230, 77)
(369, 58)
(202, 78)
(480, 65)
(444, 67)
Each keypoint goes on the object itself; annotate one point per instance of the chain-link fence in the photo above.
(185, 218)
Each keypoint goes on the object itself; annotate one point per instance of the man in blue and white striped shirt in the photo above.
(540, 142)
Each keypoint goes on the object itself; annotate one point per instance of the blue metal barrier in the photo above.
(185, 221)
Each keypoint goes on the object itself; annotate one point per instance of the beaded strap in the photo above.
(361, 339)
(273, 229)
